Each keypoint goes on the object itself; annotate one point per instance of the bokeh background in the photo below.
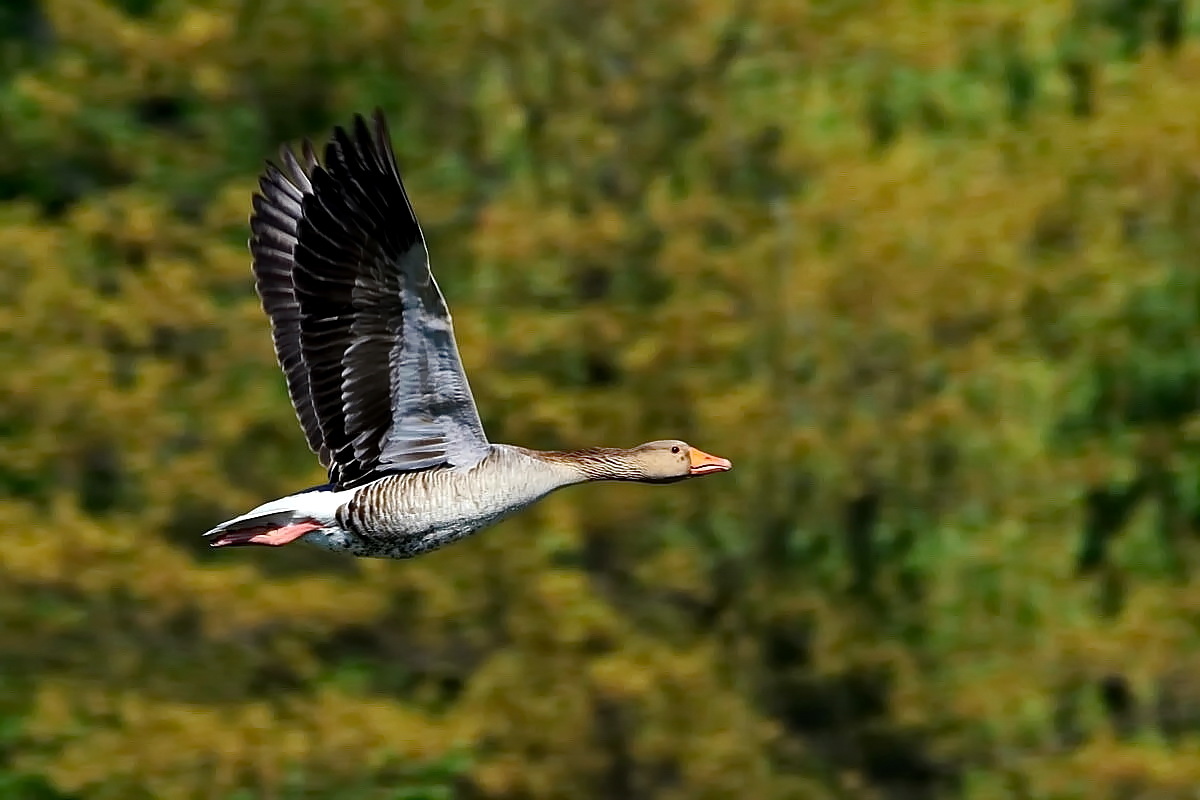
(925, 270)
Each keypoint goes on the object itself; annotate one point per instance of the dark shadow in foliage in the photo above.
(163, 111)
(1020, 77)
(137, 8)
(1150, 392)
(101, 480)
(1127, 18)
(751, 170)
(1170, 25)
(861, 516)
(881, 116)
(1120, 704)
(1107, 510)
(56, 181)
(782, 542)
(25, 35)
(440, 674)
(18, 482)
(289, 109)
(1075, 60)
(1080, 76)
(611, 731)
(845, 719)
(623, 774)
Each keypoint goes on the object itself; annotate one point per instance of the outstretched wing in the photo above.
(277, 210)
(356, 305)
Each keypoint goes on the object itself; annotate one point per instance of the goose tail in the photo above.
(279, 522)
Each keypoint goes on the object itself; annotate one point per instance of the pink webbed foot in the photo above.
(269, 536)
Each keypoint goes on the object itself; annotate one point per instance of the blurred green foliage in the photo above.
(925, 270)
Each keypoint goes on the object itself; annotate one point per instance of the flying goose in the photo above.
(364, 339)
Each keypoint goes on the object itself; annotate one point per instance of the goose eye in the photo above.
(675, 448)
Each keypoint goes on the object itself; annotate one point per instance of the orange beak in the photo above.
(703, 463)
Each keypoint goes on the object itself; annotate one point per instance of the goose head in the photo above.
(668, 460)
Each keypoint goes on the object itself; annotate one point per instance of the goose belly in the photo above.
(401, 516)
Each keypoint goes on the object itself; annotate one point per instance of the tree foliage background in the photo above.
(926, 270)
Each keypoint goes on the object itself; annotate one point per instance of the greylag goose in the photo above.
(363, 336)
